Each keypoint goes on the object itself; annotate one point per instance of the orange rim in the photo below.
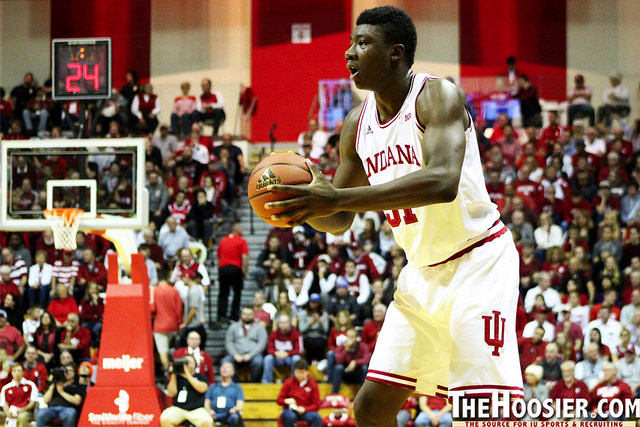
(68, 215)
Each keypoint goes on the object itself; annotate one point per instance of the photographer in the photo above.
(187, 390)
(63, 398)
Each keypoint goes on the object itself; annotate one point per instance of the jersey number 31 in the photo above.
(407, 215)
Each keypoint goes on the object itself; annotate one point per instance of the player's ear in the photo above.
(397, 52)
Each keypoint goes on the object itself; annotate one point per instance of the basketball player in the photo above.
(410, 150)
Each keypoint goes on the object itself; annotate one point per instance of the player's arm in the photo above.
(440, 107)
(350, 173)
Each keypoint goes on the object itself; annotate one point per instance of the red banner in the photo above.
(124, 393)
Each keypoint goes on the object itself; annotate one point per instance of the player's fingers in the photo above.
(315, 172)
(286, 216)
(293, 189)
(286, 203)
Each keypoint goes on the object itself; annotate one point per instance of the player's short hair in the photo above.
(396, 25)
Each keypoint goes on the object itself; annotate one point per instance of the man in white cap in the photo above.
(615, 99)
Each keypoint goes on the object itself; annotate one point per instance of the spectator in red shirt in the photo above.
(91, 270)
(352, 360)
(6, 284)
(526, 186)
(204, 362)
(284, 347)
(371, 329)
(233, 263)
(20, 394)
(531, 349)
(10, 338)
(551, 133)
(569, 388)
(75, 339)
(62, 305)
(166, 304)
(610, 298)
(300, 398)
(91, 310)
(259, 313)
(610, 388)
(605, 201)
(34, 370)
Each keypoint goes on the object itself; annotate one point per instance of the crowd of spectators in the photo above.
(52, 301)
(29, 111)
(569, 195)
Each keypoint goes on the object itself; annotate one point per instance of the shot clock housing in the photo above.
(81, 68)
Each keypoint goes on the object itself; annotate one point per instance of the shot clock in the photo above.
(81, 68)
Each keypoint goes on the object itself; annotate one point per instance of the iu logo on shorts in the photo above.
(494, 336)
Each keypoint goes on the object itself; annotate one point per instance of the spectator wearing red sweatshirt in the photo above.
(569, 388)
(91, 270)
(92, 309)
(609, 389)
(283, 348)
(300, 398)
(75, 339)
(371, 329)
(531, 349)
(62, 305)
(352, 361)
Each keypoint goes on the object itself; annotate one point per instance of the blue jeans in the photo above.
(422, 420)
(27, 116)
(255, 366)
(231, 420)
(289, 418)
(65, 414)
(41, 293)
(270, 361)
(181, 125)
(331, 362)
(95, 328)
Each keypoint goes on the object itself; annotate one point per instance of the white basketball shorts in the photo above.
(452, 326)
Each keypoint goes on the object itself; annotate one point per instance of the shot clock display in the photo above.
(81, 68)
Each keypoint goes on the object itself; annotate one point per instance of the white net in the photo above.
(64, 224)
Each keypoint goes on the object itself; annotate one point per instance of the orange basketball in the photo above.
(279, 168)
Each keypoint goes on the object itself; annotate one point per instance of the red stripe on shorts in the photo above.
(393, 383)
(438, 394)
(387, 374)
(441, 387)
(472, 247)
(498, 387)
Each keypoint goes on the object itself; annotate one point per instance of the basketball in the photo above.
(280, 168)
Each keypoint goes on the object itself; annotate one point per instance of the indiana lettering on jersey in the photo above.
(392, 155)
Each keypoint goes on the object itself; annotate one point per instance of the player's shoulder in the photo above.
(439, 99)
(350, 123)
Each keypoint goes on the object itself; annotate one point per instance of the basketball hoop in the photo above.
(64, 222)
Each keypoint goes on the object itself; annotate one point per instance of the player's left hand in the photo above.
(318, 199)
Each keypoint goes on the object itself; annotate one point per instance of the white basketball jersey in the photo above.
(428, 234)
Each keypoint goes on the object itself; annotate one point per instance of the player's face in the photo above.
(368, 56)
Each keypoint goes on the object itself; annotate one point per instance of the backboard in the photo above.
(104, 177)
